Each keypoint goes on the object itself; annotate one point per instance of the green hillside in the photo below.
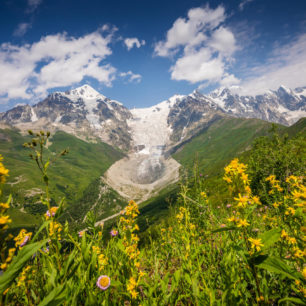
(70, 175)
(298, 127)
(220, 142)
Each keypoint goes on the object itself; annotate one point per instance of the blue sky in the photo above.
(142, 52)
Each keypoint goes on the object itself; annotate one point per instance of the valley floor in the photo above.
(121, 177)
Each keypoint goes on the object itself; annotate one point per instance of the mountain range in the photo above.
(88, 114)
(146, 140)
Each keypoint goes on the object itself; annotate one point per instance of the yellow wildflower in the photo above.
(256, 244)
(290, 211)
(203, 194)
(231, 219)
(304, 272)
(22, 238)
(242, 200)
(298, 253)
(256, 200)
(5, 220)
(4, 206)
(227, 179)
(291, 240)
(284, 234)
(3, 171)
(243, 223)
(131, 287)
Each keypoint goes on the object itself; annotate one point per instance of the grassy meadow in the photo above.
(233, 239)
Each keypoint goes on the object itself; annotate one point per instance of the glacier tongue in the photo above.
(146, 170)
(150, 135)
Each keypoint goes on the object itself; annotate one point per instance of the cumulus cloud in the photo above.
(131, 77)
(22, 28)
(133, 42)
(286, 66)
(201, 45)
(54, 61)
(198, 66)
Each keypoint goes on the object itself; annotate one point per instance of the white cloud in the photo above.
(243, 3)
(198, 66)
(223, 40)
(286, 66)
(22, 28)
(32, 5)
(229, 80)
(133, 42)
(190, 31)
(54, 61)
(201, 44)
(131, 77)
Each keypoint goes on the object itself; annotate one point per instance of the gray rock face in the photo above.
(190, 113)
(82, 112)
(283, 106)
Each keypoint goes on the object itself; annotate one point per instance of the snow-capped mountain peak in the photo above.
(85, 92)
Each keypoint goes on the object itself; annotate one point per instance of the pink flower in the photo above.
(81, 233)
(52, 211)
(114, 232)
(228, 205)
(222, 225)
(103, 282)
(24, 241)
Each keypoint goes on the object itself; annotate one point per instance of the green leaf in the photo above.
(270, 237)
(46, 165)
(187, 278)
(55, 297)
(177, 275)
(19, 263)
(295, 301)
(70, 261)
(276, 265)
(44, 225)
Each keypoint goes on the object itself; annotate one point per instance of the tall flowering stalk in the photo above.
(130, 242)
(5, 220)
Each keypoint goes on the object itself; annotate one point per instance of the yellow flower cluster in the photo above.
(102, 259)
(181, 214)
(55, 229)
(298, 193)
(235, 174)
(51, 213)
(130, 242)
(132, 287)
(11, 253)
(235, 169)
(22, 278)
(3, 171)
(238, 221)
(22, 238)
(274, 183)
(4, 219)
